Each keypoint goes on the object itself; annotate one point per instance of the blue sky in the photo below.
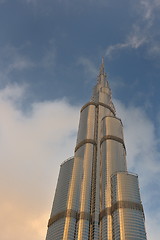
(50, 52)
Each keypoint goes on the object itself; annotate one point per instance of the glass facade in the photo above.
(128, 216)
(59, 209)
(96, 198)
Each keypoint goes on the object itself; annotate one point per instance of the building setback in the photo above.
(96, 197)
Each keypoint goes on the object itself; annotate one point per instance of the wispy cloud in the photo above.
(13, 60)
(16, 60)
(49, 57)
(135, 39)
(150, 11)
(88, 65)
(141, 32)
(32, 1)
(148, 8)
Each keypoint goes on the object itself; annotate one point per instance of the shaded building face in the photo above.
(96, 198)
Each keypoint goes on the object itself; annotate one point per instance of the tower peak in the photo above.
(101, 72)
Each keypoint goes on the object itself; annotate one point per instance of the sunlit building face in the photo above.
(96, 198)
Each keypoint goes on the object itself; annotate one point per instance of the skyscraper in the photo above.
(96, 197)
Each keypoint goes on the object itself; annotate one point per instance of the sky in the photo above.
(50, 53)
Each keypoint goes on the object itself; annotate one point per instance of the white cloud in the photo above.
(143, 157)
(12, 93)
(32, 148)
(141, 141)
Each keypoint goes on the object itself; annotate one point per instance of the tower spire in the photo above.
(102, 74)
(102, 67)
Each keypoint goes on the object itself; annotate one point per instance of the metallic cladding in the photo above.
(96, 198)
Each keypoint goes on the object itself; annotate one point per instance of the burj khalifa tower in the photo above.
(96, 197)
